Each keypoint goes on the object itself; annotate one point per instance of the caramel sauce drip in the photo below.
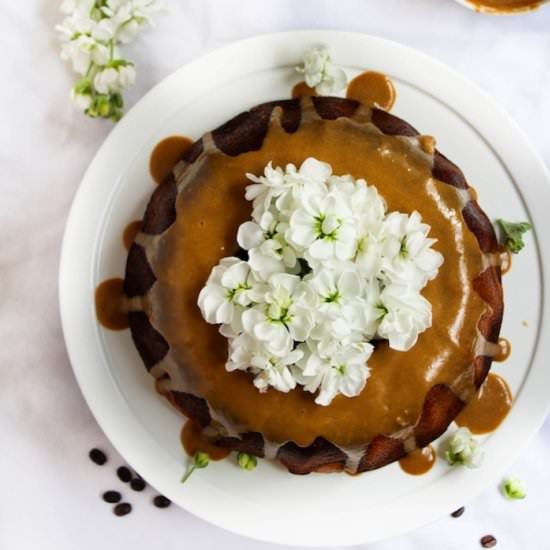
(506, 5)
(193, 440)
(504, 350)
(110, 304)
(130, 232)
(166, 154)
(302, 90)
(419, 461)
(427, 144)
(398, 381)
(372, 89)
(488, 408)
(505, 260)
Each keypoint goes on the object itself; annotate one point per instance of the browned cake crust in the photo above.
(442, 403)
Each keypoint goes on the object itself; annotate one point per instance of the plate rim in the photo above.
(68, 254)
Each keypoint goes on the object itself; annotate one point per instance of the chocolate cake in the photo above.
(191, 223)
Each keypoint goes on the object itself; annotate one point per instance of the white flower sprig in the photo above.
(463, 450)
(90, 35)
(321, 73)
(328, 271)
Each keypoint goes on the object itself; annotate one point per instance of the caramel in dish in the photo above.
(506, 5)
(193, 440)
(372, 89)
(130, 232)
(209, 211)
(166, 155)
(302, 90)
(111, 304)
(504, 350)
(488, 408)
(419, 461)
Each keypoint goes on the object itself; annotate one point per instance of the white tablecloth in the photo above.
(49, 490)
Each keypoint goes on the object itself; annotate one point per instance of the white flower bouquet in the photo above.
(90, 35)
(328, 272)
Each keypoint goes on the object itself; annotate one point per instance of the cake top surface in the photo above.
(210, 206)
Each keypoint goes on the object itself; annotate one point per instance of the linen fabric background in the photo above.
(49, 489)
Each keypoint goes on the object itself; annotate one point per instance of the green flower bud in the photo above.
(513, 488)
(117, 101)
(200, 460)
(102, 105)
(246, 461)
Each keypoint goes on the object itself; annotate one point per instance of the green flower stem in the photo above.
(200, 460)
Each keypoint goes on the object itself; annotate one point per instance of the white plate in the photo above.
(269, 503)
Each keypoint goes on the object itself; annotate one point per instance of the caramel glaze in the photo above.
(504, 350)
(506, 5)
(505, 260)
(302, 90)
(488, 407)
(419, 461)
(372, 89)
(193, 440)
(110, 304)
(130, 232)
(399, 381)
(166, 155)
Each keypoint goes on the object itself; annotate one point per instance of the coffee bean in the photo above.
(112, 496)
(458, 513)
(160, 501)
(124, 474)
(97, 456)
(488, 541)
(122, 509)
(137, 484)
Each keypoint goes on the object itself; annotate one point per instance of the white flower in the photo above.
(463, 450)
(247, 353)
(84, 50)
(114, 79)
(409, 258)
(335, 289)
(131, 15)
(286, 185)
(285, 314)
(228, 289)
(322, 227)
(342, 314)
(81, 100)
(345, 371)
(320, 73)
(404, 314)
(368, 210)
(268, 251)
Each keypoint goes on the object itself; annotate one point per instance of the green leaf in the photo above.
(513, 234)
